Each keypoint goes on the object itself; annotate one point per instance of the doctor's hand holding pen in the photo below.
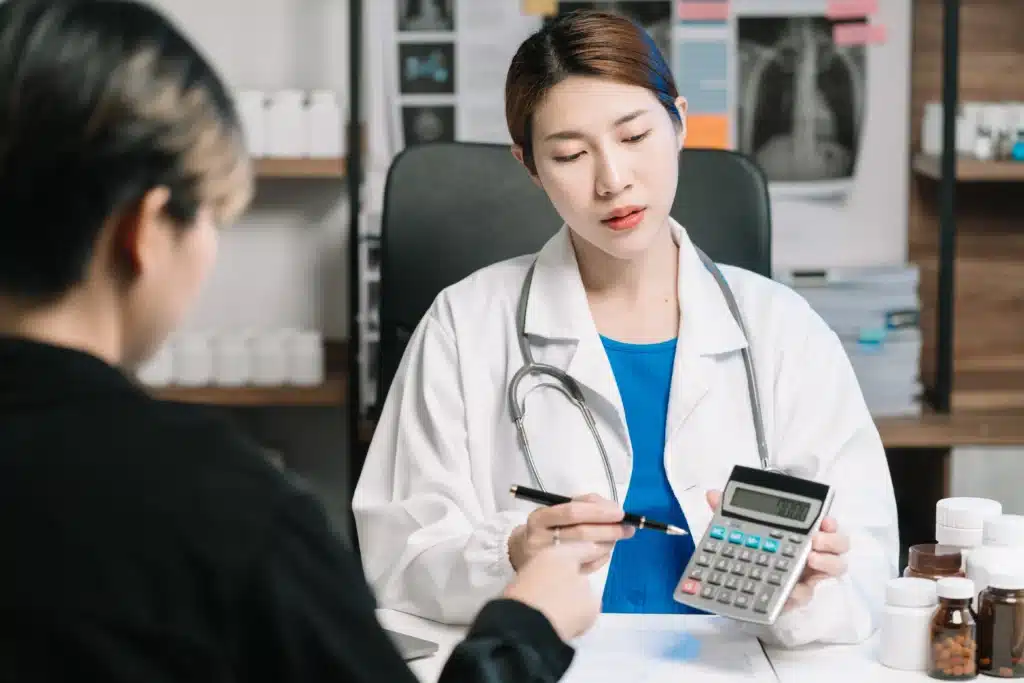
(585, 518)
(827, 559)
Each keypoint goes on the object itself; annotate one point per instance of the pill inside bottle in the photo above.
(953, 632)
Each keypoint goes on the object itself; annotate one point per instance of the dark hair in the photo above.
(582, 43)
(100, 102)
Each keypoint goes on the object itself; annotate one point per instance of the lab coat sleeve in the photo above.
(822, 419)
(428, 546)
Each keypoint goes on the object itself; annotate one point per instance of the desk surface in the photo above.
(812, 664)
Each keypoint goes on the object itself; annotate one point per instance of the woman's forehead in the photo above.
(587, 103)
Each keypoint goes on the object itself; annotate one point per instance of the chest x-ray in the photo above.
(800, 100)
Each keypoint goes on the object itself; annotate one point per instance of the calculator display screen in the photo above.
(780, 506)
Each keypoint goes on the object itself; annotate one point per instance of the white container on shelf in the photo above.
(305, 358)
(158, 370)
(252, 109)
(269, 359)
(193, 360)
(286, 124)
(232, 360)
(323, 125)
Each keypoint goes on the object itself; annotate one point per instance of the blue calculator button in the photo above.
(736, 537)
(717, 532)
(770, 546)
(753, 541)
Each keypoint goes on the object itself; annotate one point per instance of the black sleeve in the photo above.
(307, 614)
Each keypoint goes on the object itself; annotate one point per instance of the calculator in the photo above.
(756, 545)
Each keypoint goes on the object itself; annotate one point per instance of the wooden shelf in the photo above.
(999, 428)
(333, 391)
(273, 167)
(971, 170)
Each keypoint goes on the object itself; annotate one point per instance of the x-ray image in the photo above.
(426, 68)
(426, 15)
(428, 124)
(654, 15)
(800, 100)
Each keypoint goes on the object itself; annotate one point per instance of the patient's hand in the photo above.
(586, 518)
(826, 560)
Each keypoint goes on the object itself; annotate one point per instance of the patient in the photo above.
(147, 541)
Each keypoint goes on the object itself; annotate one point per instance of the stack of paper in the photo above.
(875, 311)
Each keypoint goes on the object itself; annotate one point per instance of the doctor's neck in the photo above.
(650, 275)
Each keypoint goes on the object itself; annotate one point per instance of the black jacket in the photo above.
(147, 541)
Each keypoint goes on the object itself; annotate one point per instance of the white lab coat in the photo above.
(432, 506)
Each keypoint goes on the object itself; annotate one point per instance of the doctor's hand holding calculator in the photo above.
(768, 545)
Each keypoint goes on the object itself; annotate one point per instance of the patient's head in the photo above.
(120, 155)
(596, 119)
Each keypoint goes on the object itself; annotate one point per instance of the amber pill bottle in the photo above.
(952, 633)
(1001, 626)
(930, 561)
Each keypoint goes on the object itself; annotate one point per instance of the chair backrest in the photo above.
(453, 208)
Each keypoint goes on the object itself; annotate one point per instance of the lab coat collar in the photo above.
(557, 308)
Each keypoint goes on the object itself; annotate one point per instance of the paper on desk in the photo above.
(635, 648)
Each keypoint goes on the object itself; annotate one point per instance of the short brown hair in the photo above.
(582, 43)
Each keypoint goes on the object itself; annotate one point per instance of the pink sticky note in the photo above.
(850, 9)
(688, 10)
(858, 34)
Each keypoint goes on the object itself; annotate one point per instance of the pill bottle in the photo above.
(952, 633)
(1002, 544)
(1001, 625)
(904, 641)
(960, 522)
(929, 561)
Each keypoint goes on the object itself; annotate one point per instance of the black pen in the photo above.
(639, 521)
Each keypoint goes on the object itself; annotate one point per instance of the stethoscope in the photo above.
(571, 389)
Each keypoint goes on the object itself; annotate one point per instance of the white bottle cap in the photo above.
(966, 513)
(910, 591)
(1006, 581)
(1004, 530)
(955, 588)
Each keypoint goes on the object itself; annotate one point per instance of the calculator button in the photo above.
(753, 541)
(796, 539)
(711, 547)
(729, 551)
(763, 560)
(690, 587)
(788, 550)
(776, 534)
(732, 583)
(763, 600)
(717, 532)
(782, 564)
(770, 546)
(738, 568)
(716, 579)
(703, 560)
(741, 601)
(736, 537)
(756, 574)
(775, 578)
(746, 556)
(749, 587)
(707, 592)
(724, 597)
(723, 565)
(697, 574)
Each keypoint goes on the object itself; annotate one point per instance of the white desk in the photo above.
(811, 664)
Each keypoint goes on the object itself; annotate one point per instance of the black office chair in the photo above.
(453, 208)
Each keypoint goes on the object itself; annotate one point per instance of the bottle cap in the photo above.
(928, 557)
(955, 588)
(910, 591)
(965, 513)
(1006, 581)
(1004, 530)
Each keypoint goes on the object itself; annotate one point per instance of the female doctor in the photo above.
(621, 302)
